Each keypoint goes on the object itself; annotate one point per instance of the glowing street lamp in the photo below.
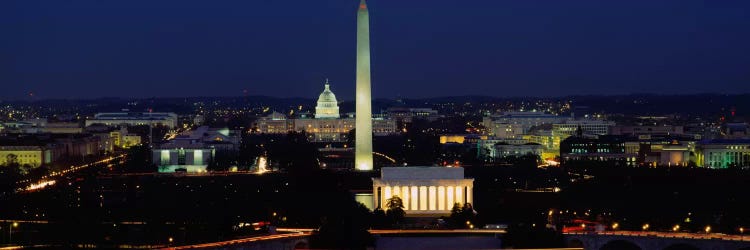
(10, 231)
(676, 228)
(615, 226)
(645, 227)
(708, 229)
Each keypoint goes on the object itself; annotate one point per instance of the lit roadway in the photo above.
(682, 235)
(289, 233)
(437, 231)
(45, 181)
(246, 240)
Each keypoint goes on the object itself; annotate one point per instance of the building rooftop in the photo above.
(525, 115)
(133, 115)
(725, 141)
(421, 173)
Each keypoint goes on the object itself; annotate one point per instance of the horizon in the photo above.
(343, 100)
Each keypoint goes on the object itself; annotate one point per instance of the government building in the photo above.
(423, 190)
(724, 153)
(327, 124)
(134, 119)
(194, 150)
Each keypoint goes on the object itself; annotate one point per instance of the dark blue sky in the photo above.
(133, 48)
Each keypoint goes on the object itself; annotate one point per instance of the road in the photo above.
(48, 180)
(438, 231)
(245, 240)
(304, 232)
(289, 233)
(683, 235)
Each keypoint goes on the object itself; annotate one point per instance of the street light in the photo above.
(742, 232)
(645, 227)
(10, 231)
(676, 228)
(708, 229)
(615, 225)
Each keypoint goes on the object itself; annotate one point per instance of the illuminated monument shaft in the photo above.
(363, 123)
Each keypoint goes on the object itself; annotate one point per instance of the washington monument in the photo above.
(363, 122)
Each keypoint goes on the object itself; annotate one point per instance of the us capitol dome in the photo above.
(327, 107)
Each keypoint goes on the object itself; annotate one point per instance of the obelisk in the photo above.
(363, 122)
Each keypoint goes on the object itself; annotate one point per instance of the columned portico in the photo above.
(423, 190)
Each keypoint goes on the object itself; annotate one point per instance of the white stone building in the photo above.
(134, 119)
(327, 126)
(423, 190)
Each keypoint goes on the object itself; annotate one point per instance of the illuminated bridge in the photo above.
(384, 239)
(635, 240)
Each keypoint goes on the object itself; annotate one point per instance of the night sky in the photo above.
(131, 48)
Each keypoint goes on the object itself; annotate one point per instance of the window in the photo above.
(181, 157)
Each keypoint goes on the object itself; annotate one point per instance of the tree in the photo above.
(9, 176)
(526, 236)
(379, 218)
(222, 160)
(457, 220)
(468, 213)
(38, 172)
(11, 159)
(138, 160)
(420, 148)
(294, 152)
(344, 225)
(395, 212)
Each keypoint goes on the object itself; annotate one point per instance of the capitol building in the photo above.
(327, 107)
(327, 124)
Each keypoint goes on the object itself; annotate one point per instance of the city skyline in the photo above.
(81, 50)
(438, 124)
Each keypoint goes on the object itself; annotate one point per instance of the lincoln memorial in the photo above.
(423, 190)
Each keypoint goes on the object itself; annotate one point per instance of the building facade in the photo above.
(602, 150)
(327, 126)
(42, 149)
(194, 150)
(190, 158)
(505, 150)
(33, 156)
(486, 147)
(587, 127)
(724, 153)
(521, 121)
(407, 115)
(328, 107)
(665, 130)
(134, 119)
(423, 190)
